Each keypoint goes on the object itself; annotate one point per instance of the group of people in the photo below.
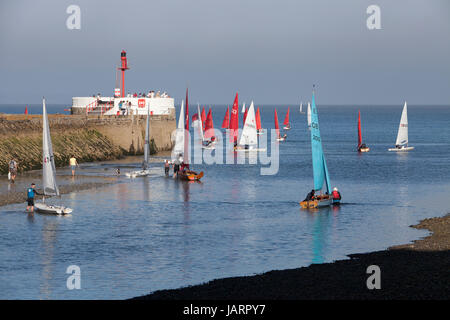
(150, 94)
(335, 195)
(178, 166)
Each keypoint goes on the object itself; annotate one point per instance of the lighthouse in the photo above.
(123, 67)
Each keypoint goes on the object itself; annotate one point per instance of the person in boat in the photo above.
(310, 196)
(398, 146)
(166, 168)
(31, 193)
(336, 195)
(284, 136)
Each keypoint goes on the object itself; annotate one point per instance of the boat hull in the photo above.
(50, 209)
(138, 173)
(317, 203)
(364, 149)
(190, 175)
(401, 149)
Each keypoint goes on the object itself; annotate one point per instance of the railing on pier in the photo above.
(94, 107)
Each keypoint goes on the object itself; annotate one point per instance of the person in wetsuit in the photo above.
(31, 192)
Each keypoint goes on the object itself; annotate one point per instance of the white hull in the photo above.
(138, 173)
(251, 150)
(281, 139)
(401, 149)
(49, 209)
(325, 203)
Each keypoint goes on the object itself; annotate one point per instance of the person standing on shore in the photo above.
(13, 169)
(167, 168)
(73, 164)
(31, 192)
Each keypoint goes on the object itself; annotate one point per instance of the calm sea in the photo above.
(137, 236)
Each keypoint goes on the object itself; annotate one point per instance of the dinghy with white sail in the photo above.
(145, 171)
(401, 144)
(48, 171)
(249, 136)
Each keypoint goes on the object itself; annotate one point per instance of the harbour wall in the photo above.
(88, 138)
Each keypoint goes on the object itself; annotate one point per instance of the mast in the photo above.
(186, 136)
(147, 140)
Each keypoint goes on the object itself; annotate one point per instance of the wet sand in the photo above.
(420, 270)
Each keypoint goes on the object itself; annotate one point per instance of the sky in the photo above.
(271, 52)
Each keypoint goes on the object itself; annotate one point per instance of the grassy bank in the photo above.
(86, 145)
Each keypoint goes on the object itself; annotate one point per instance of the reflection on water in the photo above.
(49, 238)
(149, 233)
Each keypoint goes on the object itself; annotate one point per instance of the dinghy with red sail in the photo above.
(277, 128)
(286, 123)
(259, 130)
(361, 146)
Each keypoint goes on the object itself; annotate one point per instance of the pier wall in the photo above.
(89, 138)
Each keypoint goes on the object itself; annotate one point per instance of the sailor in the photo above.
(336, 195)
(31, 192)
(13, 169)
(310, 196)
(167, 167)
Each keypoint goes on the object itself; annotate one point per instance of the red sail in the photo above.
(203, 118)
(258, 120)
(234, 120)
(359, 129)
(277, 128)
(186, 128)
(209, 126)
(226, 119)
(286, 119)
(245, 114)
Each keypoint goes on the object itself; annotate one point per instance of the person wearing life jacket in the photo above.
(31, 192)
(335, 194)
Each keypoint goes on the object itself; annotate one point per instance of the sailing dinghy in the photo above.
(361, 146)
(259, 130)
(226, 119)
(145, 171)
(209, 138)
(401, 144)
(286, 123)
(301, 107)
(320, 170)
(48, 171)
(249, 136)
(277, 128)
(181, 148)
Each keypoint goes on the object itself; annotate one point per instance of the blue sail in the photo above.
(320, 170)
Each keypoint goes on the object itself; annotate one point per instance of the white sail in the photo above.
(243, 108)
(179, 137)
(301, 107)
(147, 140)
(249, 135)
(402, 136)
(309, 114)
(199, 123)
(48, 161)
